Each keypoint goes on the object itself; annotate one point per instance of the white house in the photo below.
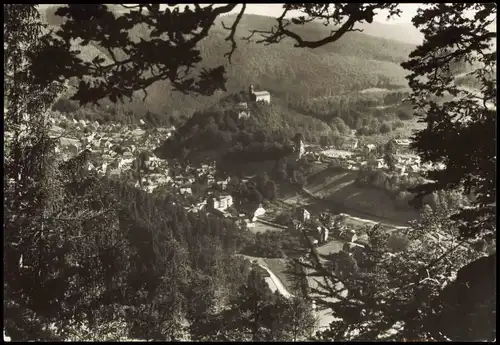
(323, 234)
(262, 96)
(349, 236)
(185, 190)
(303, 215)
(258, 212)
(400, 169)
(350, 144)
(221, 203)
(402, 142)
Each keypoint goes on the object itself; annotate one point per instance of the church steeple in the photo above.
(250, 91)
(298, 145)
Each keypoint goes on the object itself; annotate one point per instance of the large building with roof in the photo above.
(259, 96)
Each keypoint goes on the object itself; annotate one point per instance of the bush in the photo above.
(405, 114)
(403, 197)
(284, 218)
(398, 243)
(365, 130)
(398, 124)
(65, 106)
(385, 128)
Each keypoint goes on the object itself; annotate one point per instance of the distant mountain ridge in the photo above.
(355, 62)
(406, 33)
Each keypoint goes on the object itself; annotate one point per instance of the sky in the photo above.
(275, 10)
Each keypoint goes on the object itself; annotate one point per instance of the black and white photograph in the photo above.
(250, 172)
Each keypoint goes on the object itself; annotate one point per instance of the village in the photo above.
(352, 156)
(126, 152)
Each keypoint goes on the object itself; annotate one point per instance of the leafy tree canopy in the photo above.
(460, 131)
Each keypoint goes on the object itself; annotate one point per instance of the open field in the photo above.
(335, 153)
(404, 132)
(279, 268)
(332, 246)
(338, 191)
(262, 227)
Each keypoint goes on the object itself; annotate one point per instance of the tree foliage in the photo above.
(405, 291)
(136, 65)
(460, 131)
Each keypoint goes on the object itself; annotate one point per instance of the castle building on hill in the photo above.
(242, 111)
(259, 96)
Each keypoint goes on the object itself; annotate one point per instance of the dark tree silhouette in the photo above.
(460, 132)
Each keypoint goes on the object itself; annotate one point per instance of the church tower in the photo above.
(251, 92)
(298, 145)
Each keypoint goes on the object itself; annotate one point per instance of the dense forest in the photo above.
(367, 113)
(264, 135)
(266, 130)
(162, 271)
(354, 64)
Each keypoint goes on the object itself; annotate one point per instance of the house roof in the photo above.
(261, 93)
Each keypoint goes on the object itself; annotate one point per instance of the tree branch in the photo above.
(233, 32)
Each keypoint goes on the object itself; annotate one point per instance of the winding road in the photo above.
(324, 316)
(276, 282)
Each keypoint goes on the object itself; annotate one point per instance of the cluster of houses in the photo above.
(353, 157)
(118, 151)
(115, 146)
(319, 230)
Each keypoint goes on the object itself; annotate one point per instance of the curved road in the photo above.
(324, 316)
(277, 282)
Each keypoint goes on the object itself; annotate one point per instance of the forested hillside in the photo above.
(357, 62)
(219, 129)
(163, 273)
